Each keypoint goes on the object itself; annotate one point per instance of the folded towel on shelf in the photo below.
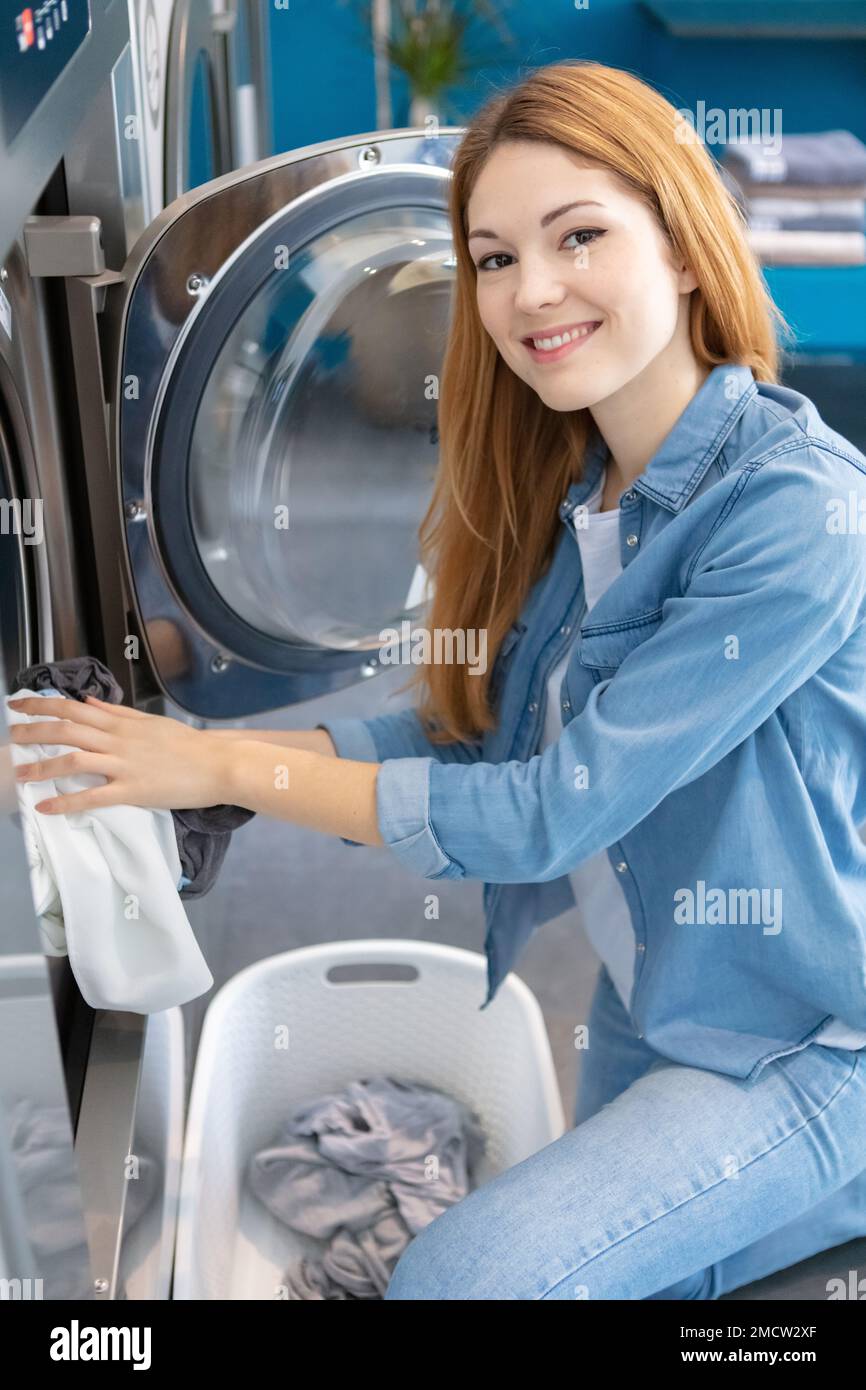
(829, 157)
(816, 192)
(203, 835)
(808, 248)
(365, 1169)
(104, 886)
(807, 214)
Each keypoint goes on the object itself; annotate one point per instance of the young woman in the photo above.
(658, 539)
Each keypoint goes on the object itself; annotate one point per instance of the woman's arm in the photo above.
(313, 740)
(154, 761)
(397, 734)
(334, 795)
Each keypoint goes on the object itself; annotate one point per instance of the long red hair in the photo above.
(505, 458)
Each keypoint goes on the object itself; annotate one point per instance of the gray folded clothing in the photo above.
(365, 1169)
(831, 157)
(202, 834)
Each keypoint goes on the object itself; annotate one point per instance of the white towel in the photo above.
(104, 886)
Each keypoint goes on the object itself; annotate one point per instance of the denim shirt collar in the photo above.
(686, 453)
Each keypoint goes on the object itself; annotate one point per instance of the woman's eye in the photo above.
(495, 256)
(590, 233)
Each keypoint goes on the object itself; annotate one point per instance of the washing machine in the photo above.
(269, 356)
(245, 74)
(187, 101)
(79, 1088)
(245, 391)
(48, 56)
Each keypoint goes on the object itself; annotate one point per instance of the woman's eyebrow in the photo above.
(546, 219)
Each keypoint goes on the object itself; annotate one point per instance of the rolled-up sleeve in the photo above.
(769, 574)
(352, 739)
(398, 734)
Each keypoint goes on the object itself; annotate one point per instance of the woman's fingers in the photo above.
(66, 765)
(62, 708)
(59, 731)
(109, 795)
(123, 710)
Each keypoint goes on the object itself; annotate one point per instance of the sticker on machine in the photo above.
(6, 316)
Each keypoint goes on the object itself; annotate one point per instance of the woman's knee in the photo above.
(430, 1268)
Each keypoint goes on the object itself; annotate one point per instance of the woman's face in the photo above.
(544, 267)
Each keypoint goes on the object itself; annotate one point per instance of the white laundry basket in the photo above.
(428, 1028)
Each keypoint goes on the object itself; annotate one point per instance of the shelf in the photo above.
(778, 19)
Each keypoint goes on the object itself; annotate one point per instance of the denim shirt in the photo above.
(714, 712)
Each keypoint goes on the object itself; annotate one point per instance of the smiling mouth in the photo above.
(557, 346)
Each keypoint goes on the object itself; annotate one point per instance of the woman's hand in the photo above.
(149, 760)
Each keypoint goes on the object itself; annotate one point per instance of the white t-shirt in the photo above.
(597, 891)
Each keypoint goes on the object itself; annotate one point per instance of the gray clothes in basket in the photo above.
(203, 834)
(365, 1169)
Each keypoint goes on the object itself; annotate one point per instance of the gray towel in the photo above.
(365, 1169)
(834, 157)
(202, 834)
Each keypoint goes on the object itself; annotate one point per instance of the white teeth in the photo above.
(546, 344)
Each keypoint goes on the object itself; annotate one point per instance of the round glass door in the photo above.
(277, 420)
(314, 445)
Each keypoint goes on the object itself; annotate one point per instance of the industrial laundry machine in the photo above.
(79, 83)
(202, 69)
(204, 398)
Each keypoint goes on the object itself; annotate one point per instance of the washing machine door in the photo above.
(281, 342)
(197, 137)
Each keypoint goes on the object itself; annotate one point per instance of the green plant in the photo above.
(435, 42)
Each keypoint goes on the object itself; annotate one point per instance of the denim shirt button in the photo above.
(566, 704)
(631, 540)
(621, 867)
(627, 496)
(565, 628)
(640, 946)
(532, 707)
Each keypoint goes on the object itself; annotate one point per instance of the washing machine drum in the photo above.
(277, 409)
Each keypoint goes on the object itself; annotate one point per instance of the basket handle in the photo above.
(372, 972)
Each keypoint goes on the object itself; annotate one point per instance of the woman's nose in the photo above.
(538, 285)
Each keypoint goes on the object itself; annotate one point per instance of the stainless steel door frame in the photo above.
(260, 63)
(152, 303)
(246, 70)
(192, 35)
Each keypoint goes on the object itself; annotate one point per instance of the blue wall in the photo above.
(323, 72)
(323, 89)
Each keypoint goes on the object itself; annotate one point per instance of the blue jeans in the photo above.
(676, 1182)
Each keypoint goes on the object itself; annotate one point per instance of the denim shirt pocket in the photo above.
(603, 647)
